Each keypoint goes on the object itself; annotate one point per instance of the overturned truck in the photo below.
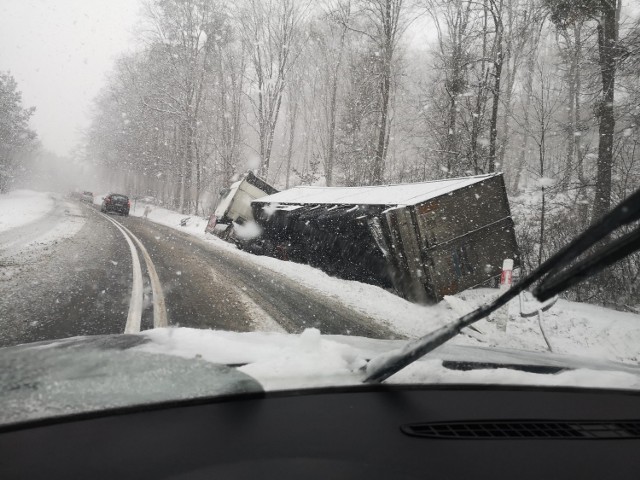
(234, 207)
(424, 240)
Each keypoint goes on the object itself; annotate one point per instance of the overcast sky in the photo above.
(59, 51)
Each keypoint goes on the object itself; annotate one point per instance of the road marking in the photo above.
(135, 305)
(159, 307)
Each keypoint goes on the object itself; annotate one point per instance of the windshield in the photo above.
(306, 188)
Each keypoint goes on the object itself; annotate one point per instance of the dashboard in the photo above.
(369, 431)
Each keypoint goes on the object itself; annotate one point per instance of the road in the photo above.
(126, 274)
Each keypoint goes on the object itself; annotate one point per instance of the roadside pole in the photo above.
(506, 279)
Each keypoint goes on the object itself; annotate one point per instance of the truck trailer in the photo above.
(422, 240)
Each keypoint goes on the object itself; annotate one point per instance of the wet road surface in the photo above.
(83, 286)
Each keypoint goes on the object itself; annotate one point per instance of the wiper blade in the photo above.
(556, 280)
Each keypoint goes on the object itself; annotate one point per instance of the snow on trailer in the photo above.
(424, 240)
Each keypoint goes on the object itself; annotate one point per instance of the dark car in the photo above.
(116, 202)
(86, 197)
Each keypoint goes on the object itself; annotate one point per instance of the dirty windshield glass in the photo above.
(272, 193)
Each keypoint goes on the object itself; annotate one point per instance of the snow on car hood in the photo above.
(84, 374)
(287, 361)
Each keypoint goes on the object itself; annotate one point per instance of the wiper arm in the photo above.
(556, 280)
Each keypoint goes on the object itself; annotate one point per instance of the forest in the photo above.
(368, 92)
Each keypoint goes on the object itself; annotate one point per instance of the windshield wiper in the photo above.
(555, 279)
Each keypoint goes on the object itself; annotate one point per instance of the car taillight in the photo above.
(129, 203)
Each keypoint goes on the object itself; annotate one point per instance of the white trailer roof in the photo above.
(401, 194)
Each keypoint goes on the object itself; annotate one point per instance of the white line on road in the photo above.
(135, 305)
(159, 308)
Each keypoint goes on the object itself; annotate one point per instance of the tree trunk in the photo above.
(541, 159)
(511, 61)
(385, 87)
(578, 120)
(478, 117)
(188, 166)
(493, 127)
(389, 16)
(451, 144)
(293, 114)
(571, 123)
(262, 129)
(506, 123)
(330, 157)
(607, 47)
(178, 165)
(531, 63)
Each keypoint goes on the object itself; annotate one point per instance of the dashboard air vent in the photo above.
(527, 429)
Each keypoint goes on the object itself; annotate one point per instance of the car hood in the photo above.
(86, 374)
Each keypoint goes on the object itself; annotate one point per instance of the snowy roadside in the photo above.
(21, 207)
(571, 328)
(32, 221)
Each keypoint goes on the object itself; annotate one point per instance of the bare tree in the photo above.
(453, 20)
(180, 31)
(383, 25)
(228, 92)
(332, 43)
(524, 22)
(605, 13)
(272, 31)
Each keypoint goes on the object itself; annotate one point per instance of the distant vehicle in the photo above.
(86, 197)
(116, 202)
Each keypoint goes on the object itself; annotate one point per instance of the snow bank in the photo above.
(571, 328)
(20, 207)
(31, 222)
